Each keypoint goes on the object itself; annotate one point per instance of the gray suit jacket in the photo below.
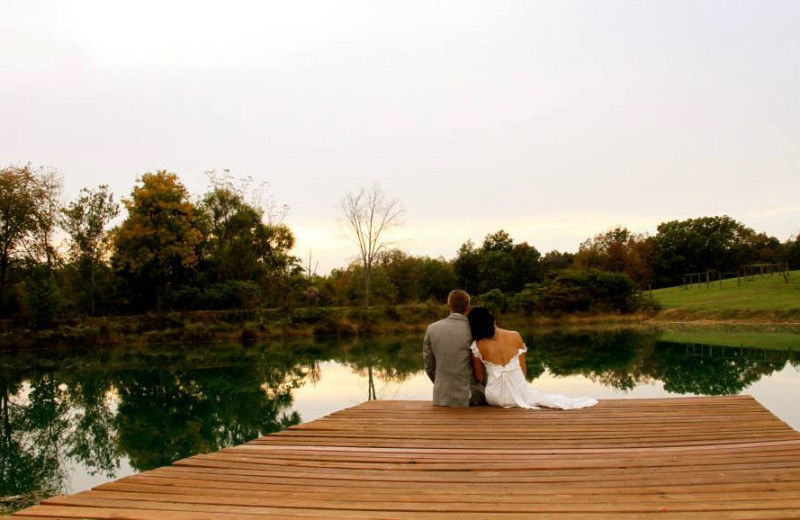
(448, 364)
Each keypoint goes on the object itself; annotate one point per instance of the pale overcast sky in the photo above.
(553, 120)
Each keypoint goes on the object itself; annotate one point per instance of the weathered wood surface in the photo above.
(687, 458)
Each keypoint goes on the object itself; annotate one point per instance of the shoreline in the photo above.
(342, 322)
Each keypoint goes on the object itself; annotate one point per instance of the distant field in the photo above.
(760, 294)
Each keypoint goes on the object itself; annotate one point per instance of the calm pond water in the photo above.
(73, 419)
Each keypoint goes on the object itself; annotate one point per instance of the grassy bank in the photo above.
(767, 299)
(761, 300)
(204, 326)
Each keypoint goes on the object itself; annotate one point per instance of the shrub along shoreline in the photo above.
(265, 324)
(262, 324)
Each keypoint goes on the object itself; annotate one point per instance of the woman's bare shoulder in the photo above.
(510, 333)
(515, 337)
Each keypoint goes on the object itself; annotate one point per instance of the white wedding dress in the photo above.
(506, 386)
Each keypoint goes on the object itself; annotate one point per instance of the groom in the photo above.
(447, 356)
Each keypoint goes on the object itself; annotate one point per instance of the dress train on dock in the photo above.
(506, 386)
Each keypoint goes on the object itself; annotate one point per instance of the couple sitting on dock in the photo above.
(472, 362)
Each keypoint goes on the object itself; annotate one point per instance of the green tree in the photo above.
(497, 264)
(496, 271)
(588, 291)
(338, 288)
(792, 252)
(232, 231)
(382, 290)
(28, 202)
(39, 297)
(437, 278)
(241, 242)
(495, 301)
(499, 241)
(85, 219)
(159, 238)
(555, 261)
(699, 244)
(403, 271)
(467, 266)
(527, 265)
(282, 276)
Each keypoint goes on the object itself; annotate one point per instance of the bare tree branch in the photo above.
(369, 214)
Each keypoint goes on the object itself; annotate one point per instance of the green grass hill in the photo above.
(767, 295)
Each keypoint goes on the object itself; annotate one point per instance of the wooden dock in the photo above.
(686, 458)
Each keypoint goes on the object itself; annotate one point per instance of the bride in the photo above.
(502, 353)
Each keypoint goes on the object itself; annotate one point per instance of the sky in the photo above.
(553, 120)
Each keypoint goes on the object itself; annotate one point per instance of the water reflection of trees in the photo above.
(30, 449)
(389, 360)
(612, 357)
(713, 370)
(168, 414)
(152, 407)
(160, 405)
(624, 358)
(156, 406)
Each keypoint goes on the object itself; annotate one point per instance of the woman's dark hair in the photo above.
(481, 323)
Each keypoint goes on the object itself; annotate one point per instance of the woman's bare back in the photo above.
(501, 348)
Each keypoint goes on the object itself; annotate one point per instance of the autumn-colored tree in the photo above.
(620, 251)
(158, 240)
(85, 219)
(762, 248)
(28, 200)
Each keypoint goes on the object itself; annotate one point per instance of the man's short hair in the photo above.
(458, 301)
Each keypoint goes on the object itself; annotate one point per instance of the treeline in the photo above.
(224, 250)
(608, 273)
(227, 249)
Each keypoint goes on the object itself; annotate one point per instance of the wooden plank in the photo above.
(255, 504)
(354, 495)
(80, 512)
(703, 457)
(213, 482)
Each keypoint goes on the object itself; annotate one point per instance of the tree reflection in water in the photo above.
(625, 358)
(32, 437)
(612, 357)
(151, 407)
(387, 359)
(714, 370)
(154, 406)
